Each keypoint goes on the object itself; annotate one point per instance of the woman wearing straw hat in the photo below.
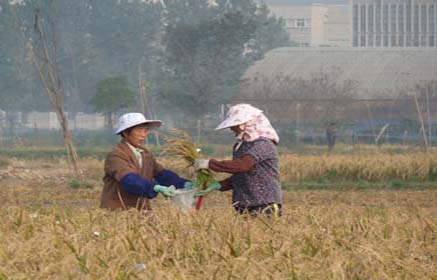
(132, 175)
(254, 182)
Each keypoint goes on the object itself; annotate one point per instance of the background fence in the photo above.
(390, 121)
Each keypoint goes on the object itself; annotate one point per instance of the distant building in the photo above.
(361, 23)
(297, 22)
(330, 25)
(317, 24)
(394, 23)
(49, 120)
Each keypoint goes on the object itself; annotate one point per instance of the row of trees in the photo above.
(187, 54)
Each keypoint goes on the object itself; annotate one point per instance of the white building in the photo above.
(330, 25)
(297, 22)
(49, 120)
(394, 23)
(316, 25)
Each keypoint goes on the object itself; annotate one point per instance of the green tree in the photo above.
(107, 38)
(270, 34)
(208, 46)
(19, 87)
(113, 95)
(96, 39)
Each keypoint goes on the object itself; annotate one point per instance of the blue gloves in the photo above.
(167, 191)
(210, 188)
(167, 178)
(135, 184)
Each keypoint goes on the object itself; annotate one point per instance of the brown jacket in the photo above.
(119, 162)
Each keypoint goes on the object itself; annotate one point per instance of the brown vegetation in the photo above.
(50, 231)
(372, 168)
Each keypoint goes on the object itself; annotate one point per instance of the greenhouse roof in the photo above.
(377, 72)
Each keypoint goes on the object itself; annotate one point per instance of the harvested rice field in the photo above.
(51, 228)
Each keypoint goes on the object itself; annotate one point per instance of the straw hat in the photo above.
(133, 119)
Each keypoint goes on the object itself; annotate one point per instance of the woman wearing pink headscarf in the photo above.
(255, 182)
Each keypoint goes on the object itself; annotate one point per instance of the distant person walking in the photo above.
(331, 134)
(132, 175)
(254, 180)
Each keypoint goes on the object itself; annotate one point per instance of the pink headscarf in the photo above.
(252, 121)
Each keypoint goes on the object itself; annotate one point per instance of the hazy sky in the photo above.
(304, 2)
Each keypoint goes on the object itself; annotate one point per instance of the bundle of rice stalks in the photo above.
(182, 146)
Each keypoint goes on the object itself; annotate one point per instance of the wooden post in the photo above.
(298, 123)
(199, 130)
(372, 126)
(404, 138)
(422, 124)
(428, 112)
(36, 140)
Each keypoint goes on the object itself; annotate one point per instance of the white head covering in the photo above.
(239, 114)
(133, 119)
(252, 121)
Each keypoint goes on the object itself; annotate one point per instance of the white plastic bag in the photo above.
(184, 199)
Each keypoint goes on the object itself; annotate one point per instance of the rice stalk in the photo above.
(182, 146)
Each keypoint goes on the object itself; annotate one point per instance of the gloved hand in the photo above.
(201, 164)
(167, 191)
(210, 188)
(188, 185)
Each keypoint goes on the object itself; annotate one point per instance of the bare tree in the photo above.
(45, 60)
(320, 96)
(425, 96)
(144, 100)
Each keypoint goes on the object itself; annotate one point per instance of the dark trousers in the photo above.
(267, 210)
(331, 141)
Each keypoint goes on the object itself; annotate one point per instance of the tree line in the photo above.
(186, 56)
